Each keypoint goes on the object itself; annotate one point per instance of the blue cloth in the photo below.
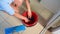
(9, 30)
(15, 29)
(5, 5)
(20, 28)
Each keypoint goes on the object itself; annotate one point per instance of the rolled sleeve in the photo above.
(7, 8)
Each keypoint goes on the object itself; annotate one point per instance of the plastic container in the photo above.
(33, 20)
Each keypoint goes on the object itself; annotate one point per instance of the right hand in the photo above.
(26, 19)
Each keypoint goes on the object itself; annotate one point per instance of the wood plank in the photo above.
(10, 19)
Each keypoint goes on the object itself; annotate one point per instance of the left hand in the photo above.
(29, 9)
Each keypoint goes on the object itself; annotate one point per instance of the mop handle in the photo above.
(28, 7)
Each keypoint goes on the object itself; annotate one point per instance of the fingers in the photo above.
(29, 15)
(26, 20)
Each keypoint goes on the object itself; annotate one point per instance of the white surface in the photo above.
(52, 5)
(56, 32)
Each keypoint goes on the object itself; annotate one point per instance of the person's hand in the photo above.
(29, 14)
(26, 19)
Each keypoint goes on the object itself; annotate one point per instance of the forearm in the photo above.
(28, 7)
(19, 16)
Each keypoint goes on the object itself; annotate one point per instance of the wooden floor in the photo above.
(9, 21)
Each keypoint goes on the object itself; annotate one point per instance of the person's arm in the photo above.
(16, 14)
(29, 9)
(19, 16)
(11, 11)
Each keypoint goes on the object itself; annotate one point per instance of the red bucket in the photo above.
(33, 21)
